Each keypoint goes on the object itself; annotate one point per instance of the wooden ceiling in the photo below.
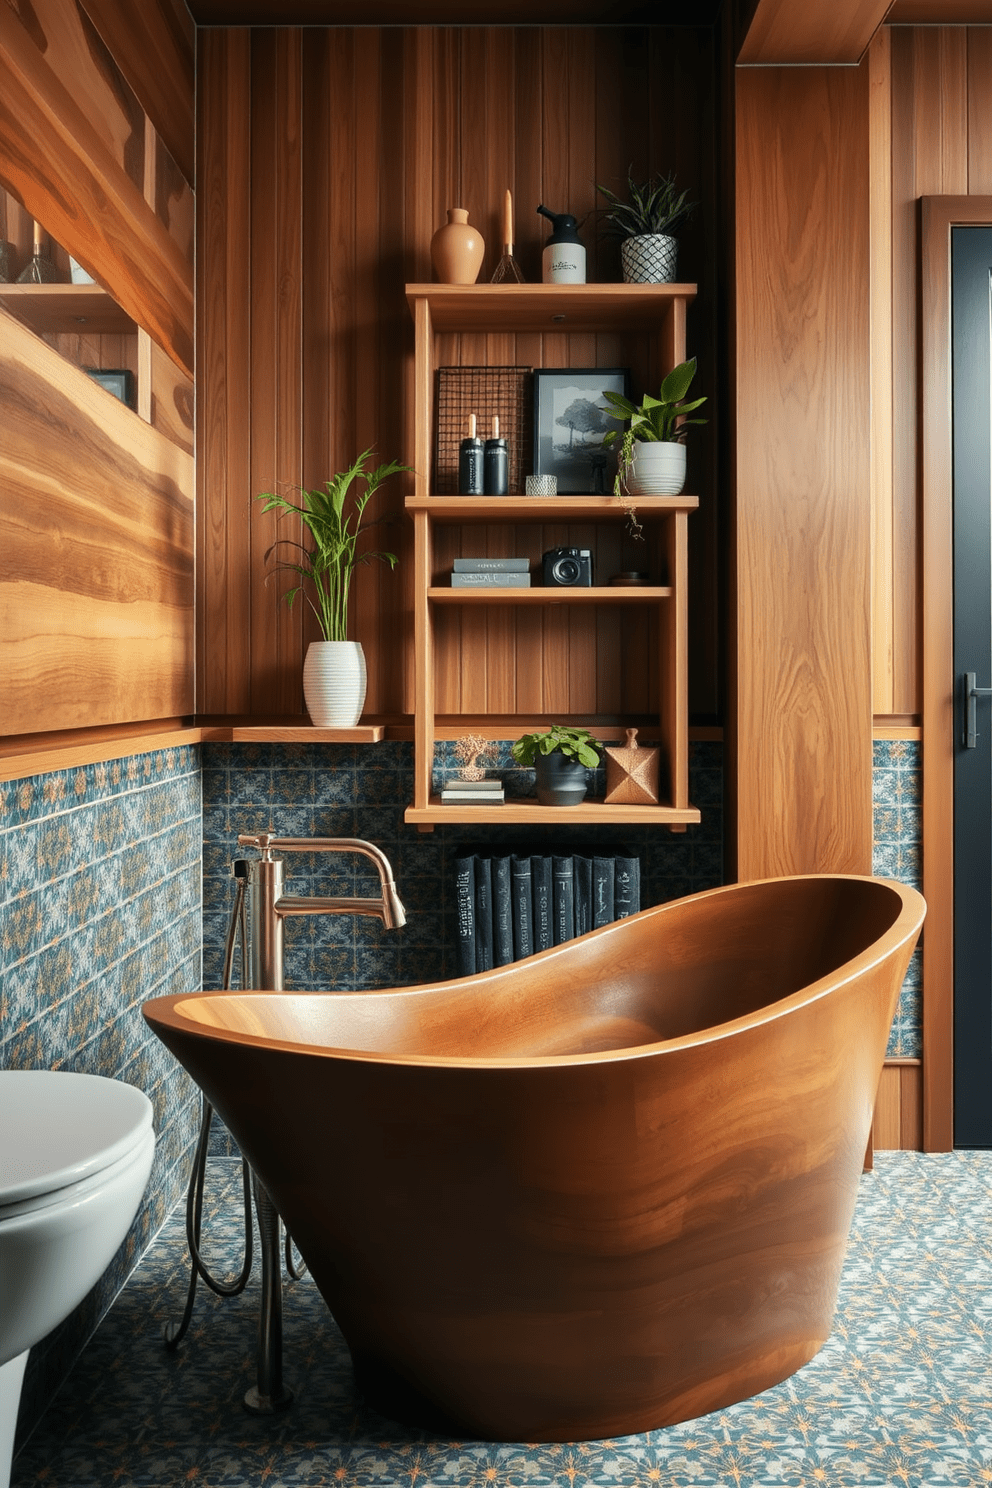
(450, 12)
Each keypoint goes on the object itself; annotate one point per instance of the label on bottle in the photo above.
(564, 263)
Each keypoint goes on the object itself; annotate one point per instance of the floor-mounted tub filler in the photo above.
(592, 1193)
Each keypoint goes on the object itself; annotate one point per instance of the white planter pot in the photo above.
(651, 259)
(334, 681)
(657, 470)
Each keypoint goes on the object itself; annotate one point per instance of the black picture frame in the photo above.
(580, 464)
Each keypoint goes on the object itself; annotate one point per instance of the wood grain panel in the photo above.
(154, 44)
(225, 592)
(880, 165)
(96, 606)
(57, 162)
(898, 1120)
(827, 31)
(804, 475)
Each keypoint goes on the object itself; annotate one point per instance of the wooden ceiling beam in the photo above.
(823, 32)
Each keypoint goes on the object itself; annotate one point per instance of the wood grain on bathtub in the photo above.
(96, 599)
(592, 1193)
(804, 522)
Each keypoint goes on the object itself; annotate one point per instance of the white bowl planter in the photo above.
(650, 259)
(656, 470)
(334, 681)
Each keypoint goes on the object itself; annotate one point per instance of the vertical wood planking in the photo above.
(225, 587)
(880, 165)
(804, 478)
(397, 125)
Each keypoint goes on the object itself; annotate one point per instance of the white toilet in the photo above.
(75, 1155)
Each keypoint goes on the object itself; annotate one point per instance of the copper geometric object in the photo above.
(631, 774)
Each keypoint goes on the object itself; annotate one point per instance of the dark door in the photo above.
(971, 250)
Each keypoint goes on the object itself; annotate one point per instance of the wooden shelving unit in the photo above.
(48, 309)
(606, 654)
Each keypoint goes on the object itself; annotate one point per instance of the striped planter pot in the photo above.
(334, 681)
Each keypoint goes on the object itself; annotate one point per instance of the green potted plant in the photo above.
(651, 457)
(560, 758)
(334, 675)
(646, 224)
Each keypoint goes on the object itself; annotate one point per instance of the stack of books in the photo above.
(510, 904)
(478, 792)
(491, 573)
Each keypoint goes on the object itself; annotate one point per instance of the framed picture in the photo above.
(571, 417)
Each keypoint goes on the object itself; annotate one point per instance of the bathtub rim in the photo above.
(906, 924)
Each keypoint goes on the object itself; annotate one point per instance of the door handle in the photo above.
(969, 697)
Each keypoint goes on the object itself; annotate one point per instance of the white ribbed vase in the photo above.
(649, 259)
(334, 681)
(656, 470)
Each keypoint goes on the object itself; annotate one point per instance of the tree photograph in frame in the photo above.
(571, 417)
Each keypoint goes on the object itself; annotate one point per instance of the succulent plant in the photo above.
(654, 206)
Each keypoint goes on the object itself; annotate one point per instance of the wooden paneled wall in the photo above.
(931, 136)
(96, 502)
(803, 725)
(73, 150)
(327, 160)
(96, 600)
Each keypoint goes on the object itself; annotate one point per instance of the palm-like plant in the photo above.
(654, 206)
(329, 561)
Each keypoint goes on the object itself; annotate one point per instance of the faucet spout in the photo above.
(388, 907)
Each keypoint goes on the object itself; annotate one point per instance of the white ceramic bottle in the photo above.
(564, 257)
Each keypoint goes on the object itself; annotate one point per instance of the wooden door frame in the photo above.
(938, 215)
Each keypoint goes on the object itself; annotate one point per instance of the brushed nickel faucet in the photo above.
(270, 906)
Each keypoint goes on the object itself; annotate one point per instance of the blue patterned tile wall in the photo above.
(333, 790)
(897, 853)
(100, 887)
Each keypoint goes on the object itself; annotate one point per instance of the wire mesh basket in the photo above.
(503, 392)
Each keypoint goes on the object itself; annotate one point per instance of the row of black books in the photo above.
(490, 573)
(513, 904)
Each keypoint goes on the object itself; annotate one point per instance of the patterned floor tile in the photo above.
(899, 1397)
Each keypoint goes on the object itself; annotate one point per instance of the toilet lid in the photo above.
(57, 1127)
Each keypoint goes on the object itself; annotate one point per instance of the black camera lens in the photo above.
(566, 571)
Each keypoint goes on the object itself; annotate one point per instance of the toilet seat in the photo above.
(61, 1129)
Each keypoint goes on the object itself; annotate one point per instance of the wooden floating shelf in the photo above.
(532, 813)
(266, 733)
(83, 309)
(543, 508)
(558, 594)
(547, 307)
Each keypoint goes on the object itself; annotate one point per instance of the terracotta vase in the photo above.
(457, 249)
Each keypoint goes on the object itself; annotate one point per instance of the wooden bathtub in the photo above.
(592, 1193)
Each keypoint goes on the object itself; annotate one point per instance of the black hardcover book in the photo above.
(502, 912)
(523, 913)
(563, 899)
(465, 907)
(540, 874)
(483, 915)
(626, 887)
(602, 891)
(582, 893)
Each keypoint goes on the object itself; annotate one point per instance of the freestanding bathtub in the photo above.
(591, 1193)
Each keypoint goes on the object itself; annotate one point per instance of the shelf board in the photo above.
(559, 594)
(307, 733)
(543, 508)
(526, 812)
(82, 309)
(547, 307)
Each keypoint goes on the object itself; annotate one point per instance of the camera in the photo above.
(568, 567)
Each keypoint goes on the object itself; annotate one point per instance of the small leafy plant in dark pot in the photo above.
(561, 758)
